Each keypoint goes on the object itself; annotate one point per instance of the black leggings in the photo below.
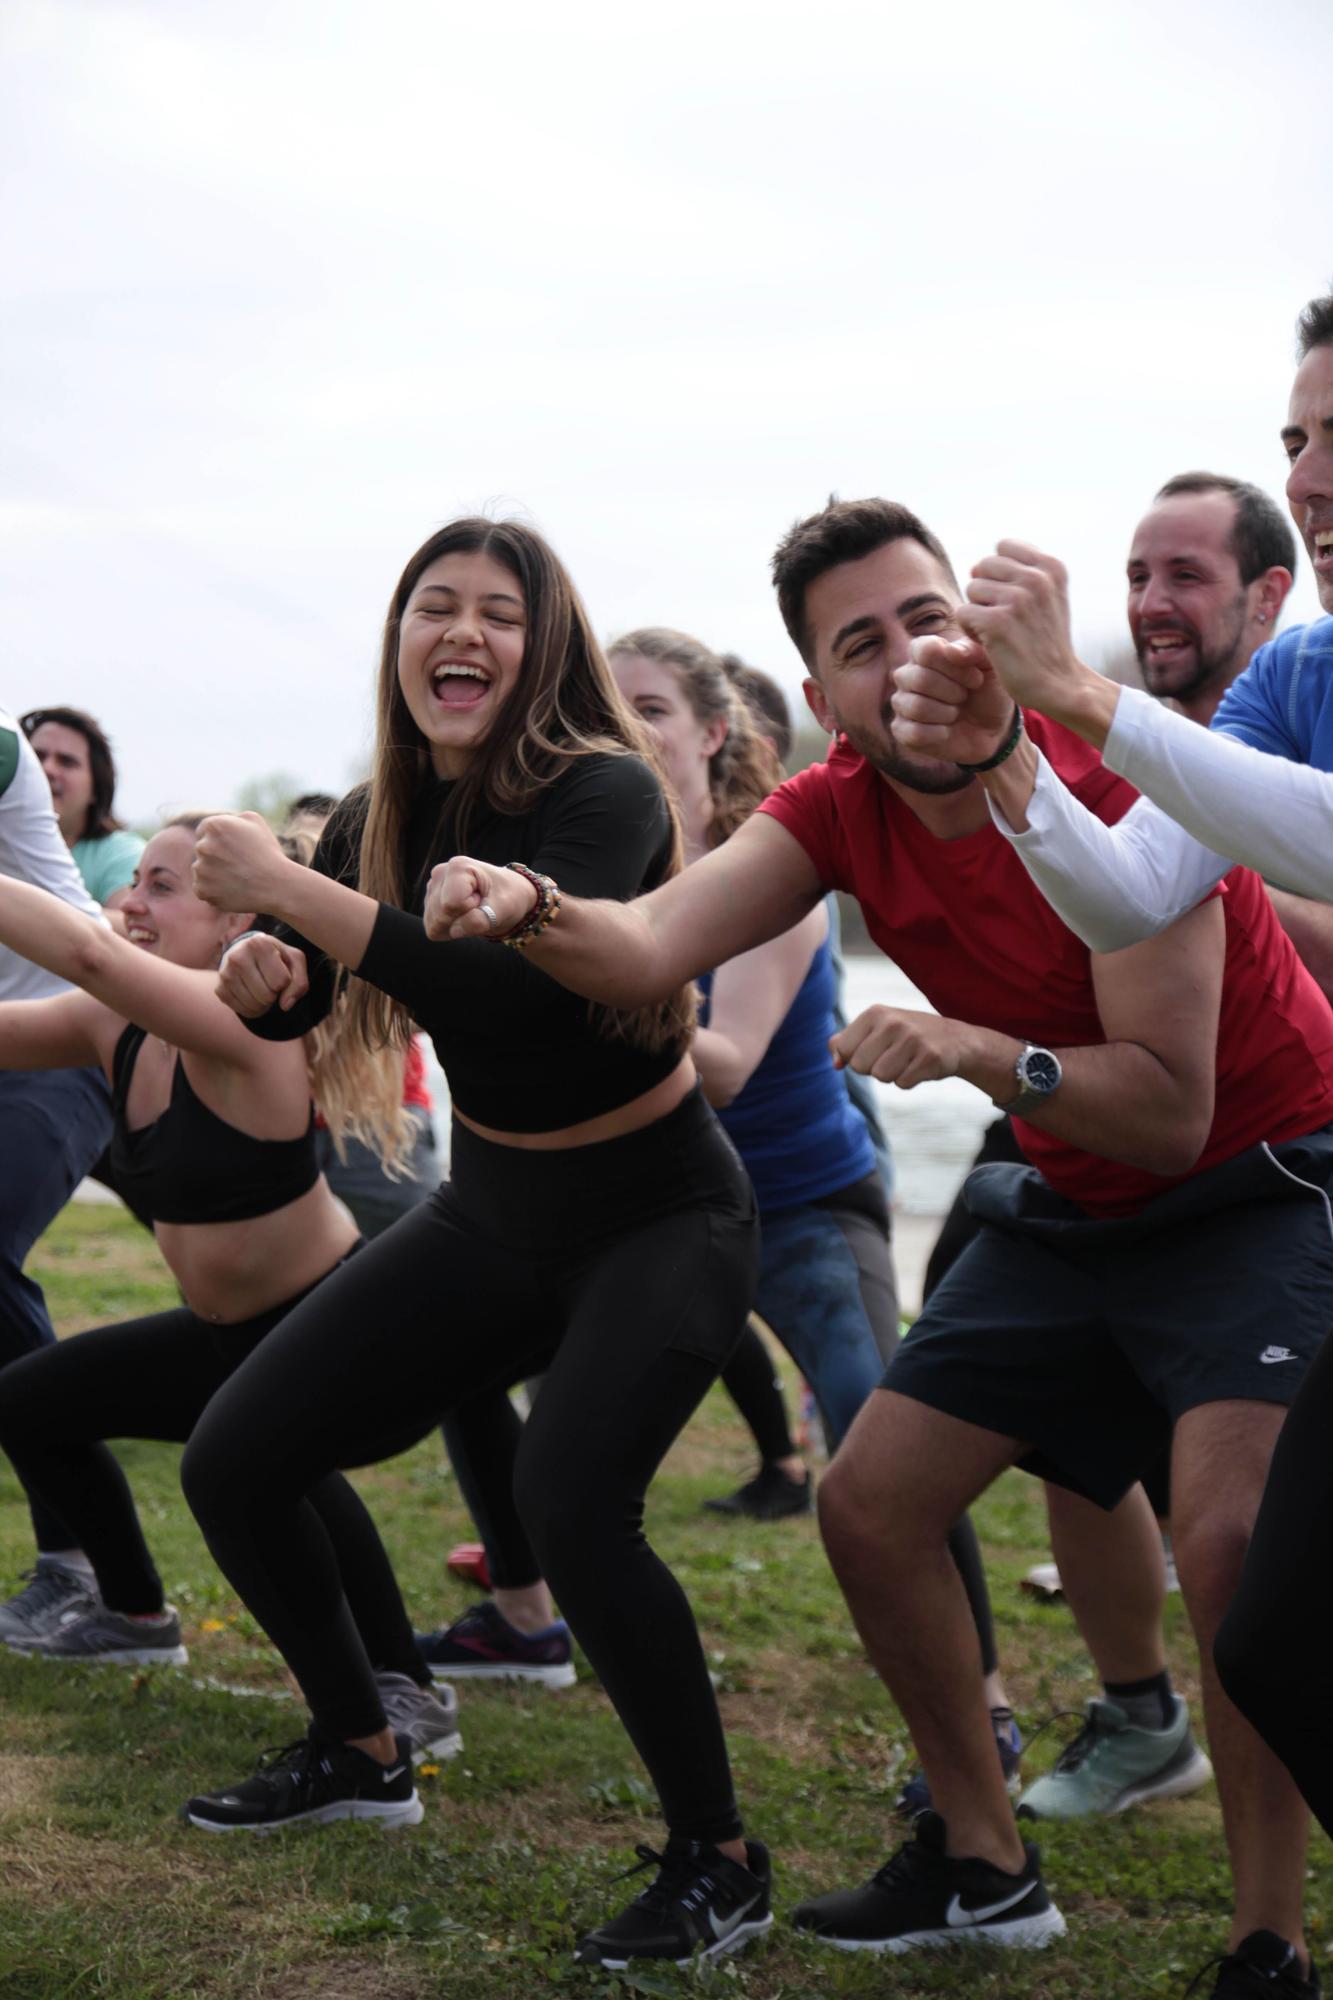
(624, 1271)
(1268, 1650)
(153, 1378)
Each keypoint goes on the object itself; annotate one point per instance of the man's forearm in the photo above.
(1117, 1099)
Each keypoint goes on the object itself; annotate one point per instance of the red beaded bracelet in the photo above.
(542, 914)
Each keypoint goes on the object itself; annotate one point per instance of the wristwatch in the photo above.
(1039, 1074)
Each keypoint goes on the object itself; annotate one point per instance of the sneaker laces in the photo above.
(1079, 1748)
(297, 1762)
(907, 1866)
(676, 1873)
(43, 1587)
(1260, 1983)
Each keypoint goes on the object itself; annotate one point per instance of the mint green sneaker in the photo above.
(1111, 1764)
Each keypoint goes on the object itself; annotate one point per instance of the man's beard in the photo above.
(932, 776)
(1221, 662)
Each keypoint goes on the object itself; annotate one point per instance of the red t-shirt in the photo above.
(968, 926)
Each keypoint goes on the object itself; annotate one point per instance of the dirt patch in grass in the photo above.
(54, 1865)
(26, 1781)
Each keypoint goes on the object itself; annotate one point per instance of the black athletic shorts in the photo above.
(1086, 1340)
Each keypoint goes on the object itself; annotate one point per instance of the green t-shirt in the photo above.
(107, 864)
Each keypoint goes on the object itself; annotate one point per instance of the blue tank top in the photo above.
(793, 1124)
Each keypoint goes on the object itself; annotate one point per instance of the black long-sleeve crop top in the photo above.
(521, 1053)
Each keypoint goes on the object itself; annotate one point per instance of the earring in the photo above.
(1263, 617)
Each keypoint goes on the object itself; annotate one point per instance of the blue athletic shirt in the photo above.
(793, 1124)
(1283, 702)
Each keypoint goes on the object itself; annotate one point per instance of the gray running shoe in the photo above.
(51, 1590)
(95, 1632)
(1111, 1764)
(426, 1718)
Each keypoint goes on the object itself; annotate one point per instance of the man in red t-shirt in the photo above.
(1172, 1100)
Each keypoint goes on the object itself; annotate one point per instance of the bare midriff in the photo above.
(631, 1117)
(232, 1271)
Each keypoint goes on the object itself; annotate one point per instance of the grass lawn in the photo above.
(103, 1891)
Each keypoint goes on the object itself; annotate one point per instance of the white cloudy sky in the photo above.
(285, 285)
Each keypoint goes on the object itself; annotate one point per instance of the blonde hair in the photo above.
(744, 768)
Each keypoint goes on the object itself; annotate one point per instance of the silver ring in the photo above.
(489, 915)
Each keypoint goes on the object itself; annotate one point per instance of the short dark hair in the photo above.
(317, 805)
(842, 532)
(100, 819)
(1314, 328)
(1261, 536)
(765, 700)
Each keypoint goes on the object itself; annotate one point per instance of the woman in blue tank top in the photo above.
(826, 1284)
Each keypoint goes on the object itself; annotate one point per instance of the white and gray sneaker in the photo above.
(424, 1717)
(50, 1590)
(95, 1632)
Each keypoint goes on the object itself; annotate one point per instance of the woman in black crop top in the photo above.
(597, 1226)
(213, 1138)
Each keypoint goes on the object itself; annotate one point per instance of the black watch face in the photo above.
(1040, 1070)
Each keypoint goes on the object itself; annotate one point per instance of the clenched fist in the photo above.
(238, 863)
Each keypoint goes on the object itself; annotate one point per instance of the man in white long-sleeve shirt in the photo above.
(1256, 787)
(55, 1124)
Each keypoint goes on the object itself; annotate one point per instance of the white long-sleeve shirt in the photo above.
(1209, 802)
(33, 850)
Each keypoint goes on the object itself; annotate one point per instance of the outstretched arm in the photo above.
(1144, 1097)
(758, 884)
(169, 1000)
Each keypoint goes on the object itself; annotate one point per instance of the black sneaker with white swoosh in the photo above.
(921, 1896)
(701, 1905)
(312, 1781)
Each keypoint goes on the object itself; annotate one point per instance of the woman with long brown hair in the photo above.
(597, 1225)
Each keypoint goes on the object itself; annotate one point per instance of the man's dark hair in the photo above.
(100, 819)
(1261, 536)
(765, 701)
(317, 804)
(1314, 328)
(845, 531)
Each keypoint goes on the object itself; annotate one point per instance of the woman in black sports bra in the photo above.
(214, 1140)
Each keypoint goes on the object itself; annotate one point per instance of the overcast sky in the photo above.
(287, 285)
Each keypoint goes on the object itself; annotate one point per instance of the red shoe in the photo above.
(468, 1561)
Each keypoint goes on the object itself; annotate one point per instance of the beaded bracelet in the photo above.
(542, 914)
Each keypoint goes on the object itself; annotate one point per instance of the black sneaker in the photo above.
(311, 1781)
(922, 1897)
(1262, 1967)
(701, 1905)
(769, 1496)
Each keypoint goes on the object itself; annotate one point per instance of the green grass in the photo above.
(104, 1892)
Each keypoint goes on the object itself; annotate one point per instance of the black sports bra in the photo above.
(189, 1165)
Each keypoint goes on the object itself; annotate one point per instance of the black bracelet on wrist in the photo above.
(1006, 749)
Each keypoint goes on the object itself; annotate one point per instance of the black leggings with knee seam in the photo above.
(1269, 1649)
(153, 1378)
(622, 1270)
